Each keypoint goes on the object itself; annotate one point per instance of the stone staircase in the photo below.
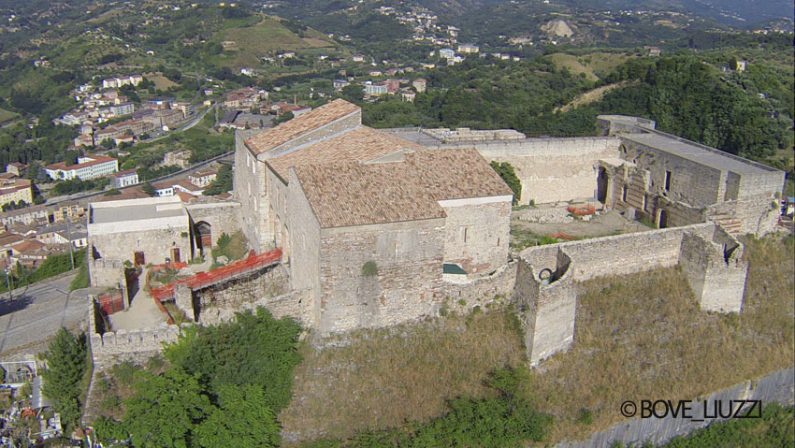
(730, 224)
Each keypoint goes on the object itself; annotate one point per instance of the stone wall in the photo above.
(551, 169)
(477, 234)
(711, 260)
(223, 217)
(294, 304)
(547, 309)
(155, 244)
(106, 273)
(757, 214)
(251, 191)
(695, 184)
(469, 293)
(228, 297)
(405, 267)
(304, 246)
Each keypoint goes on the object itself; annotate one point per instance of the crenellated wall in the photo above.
(112, 347)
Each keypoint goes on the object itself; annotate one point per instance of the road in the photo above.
(33, 314)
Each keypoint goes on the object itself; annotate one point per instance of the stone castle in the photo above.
(380, 227)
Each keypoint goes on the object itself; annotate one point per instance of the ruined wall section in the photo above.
(464, 295)
(404, 268)
(695, 184)
(550, 169)
(757, 215)
(711, 260)
(547, 305)
(106, 273)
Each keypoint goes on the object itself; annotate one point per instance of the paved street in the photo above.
(32, 315)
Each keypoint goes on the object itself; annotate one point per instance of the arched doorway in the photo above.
(663, 221)
(601, 186)
(204, 235)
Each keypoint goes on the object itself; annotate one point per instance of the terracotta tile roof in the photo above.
(127, 193)
(29, 246)
(289, 130)
(350, 193)
(361, 144)
(457, 174)
(7, 238)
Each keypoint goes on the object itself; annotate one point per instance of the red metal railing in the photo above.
(204, 279)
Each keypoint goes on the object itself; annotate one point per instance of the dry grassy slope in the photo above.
(637, 337)
(265, 38)
(594, 65)
(386, 377)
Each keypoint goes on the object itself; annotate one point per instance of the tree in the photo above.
(353, 93)
(264, 353)
(283, 117)
(222, 182)
(149, 189)
(66, 367)
(507, 173)
(243, 417)
(164, 410)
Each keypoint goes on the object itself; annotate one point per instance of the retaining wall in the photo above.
(776, 387)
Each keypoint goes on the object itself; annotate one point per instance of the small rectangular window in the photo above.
(667, 181)
(624, 193)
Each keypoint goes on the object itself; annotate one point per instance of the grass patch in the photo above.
(7, 115)
(161, 82)
(522, 238)
(776, 428)
(82, 280)
(384, 378)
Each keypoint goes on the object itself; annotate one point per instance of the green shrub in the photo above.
(370, 269)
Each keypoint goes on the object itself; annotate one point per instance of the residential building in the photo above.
(29, 253)
(14, 189)
(124, 178)
(420, 85)
(86, 168)
(36, 214)
(203, 178)
(375, 89)
(16, 168)
(468, 49)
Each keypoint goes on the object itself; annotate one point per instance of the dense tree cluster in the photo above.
(223, 385)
